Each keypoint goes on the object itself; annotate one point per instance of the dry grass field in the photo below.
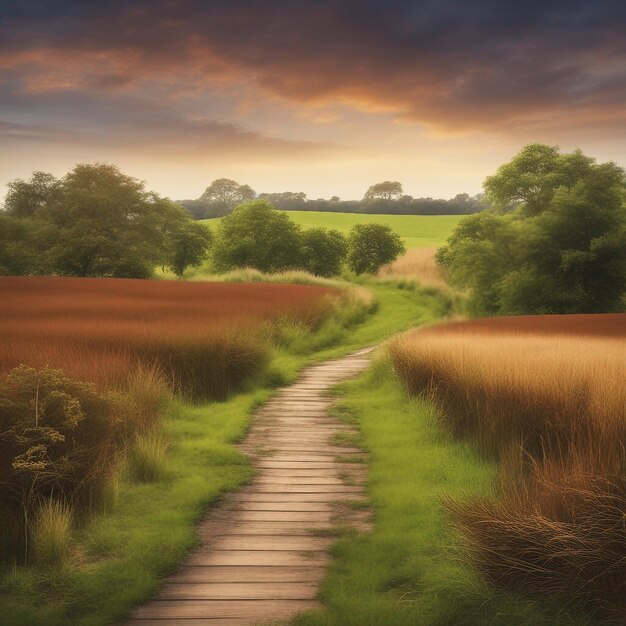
(417, 264)
(546, 396)
(205, 338)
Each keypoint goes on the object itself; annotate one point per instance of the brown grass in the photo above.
(552, 408)
(205, 338)
(417, 264)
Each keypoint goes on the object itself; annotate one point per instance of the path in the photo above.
(265, 550)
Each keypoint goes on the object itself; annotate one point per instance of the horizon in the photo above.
(327, 99)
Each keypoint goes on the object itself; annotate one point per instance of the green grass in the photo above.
(407, 569)
(119, 558)
(417, 231)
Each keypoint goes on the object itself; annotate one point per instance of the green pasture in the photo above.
(418, 231)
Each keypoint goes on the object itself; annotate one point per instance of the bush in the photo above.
(370, 246)
(323, 251)
(58, 440)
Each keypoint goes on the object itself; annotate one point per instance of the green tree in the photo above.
(323, 251)
(370, 246)
(227, 192)
(387, 190)
(559, 248)
(95, 221)
(26, 198)
(189, 247)
(256, 235)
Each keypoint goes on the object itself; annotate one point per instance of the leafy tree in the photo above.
(323, 251)
(190, 246)
(95, 221)
(387, 190)
(370, 246)
(560, 247)
(227, 192)
(256, 235)
(25, 198)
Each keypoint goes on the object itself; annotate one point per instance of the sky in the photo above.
(321, 96)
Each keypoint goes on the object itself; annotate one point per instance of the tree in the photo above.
(387, 190)
(227, 192)
(189, 247)
(95, 221)
(256, 235)
(370, 246)
(323, 251)
(25, 198)
(560, 246)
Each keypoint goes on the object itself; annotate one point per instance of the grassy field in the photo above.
(418, 231)
(117, 557)
(545, 397)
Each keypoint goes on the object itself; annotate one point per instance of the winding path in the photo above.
(265, 549)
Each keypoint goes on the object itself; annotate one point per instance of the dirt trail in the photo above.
(265, 549)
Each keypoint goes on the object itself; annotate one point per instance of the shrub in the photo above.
(58, 439)
(323, 251)
(370, 246)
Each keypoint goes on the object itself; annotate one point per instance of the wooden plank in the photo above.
(312, 517)
(259, 557)
(272, 543)
(251, 609)
(276, 527)
(239, 591)
(243, 573)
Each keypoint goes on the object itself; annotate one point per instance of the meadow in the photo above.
(206, 339)
(544, 397)
(417, 231)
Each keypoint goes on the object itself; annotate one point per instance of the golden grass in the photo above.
(553, 409)
(417, 264)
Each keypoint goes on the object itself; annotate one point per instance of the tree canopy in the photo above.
(370, 246)
(387, 190)
(555, 244)
(227, 192)
(95, 221)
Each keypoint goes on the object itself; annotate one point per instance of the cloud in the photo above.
(448, 64)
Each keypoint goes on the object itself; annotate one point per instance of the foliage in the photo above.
(227, 193)
(323, 251)
(58, 439)
(190, 246)
(559, 248)
(255, 235)
(95, 221)
(370, 246)
(387, 190)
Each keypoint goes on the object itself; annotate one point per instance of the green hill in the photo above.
(418, 231)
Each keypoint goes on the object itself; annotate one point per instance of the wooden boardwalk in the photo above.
(265, 549)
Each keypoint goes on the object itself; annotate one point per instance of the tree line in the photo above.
(387, 197)
(96, 221)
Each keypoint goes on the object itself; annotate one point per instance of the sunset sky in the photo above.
(325, 97)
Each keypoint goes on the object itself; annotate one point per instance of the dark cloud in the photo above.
(447, 63)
